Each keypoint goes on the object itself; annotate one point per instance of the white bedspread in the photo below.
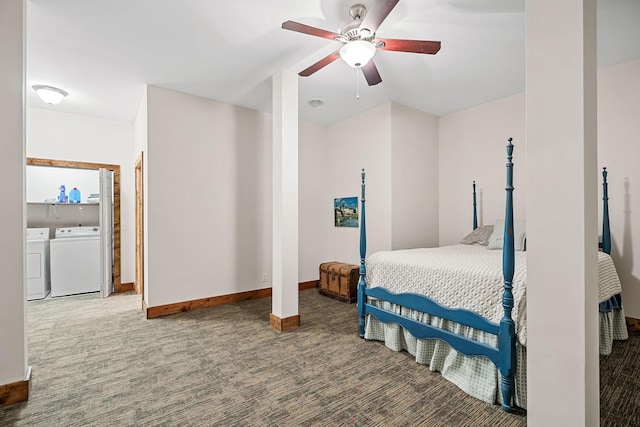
(467, 276)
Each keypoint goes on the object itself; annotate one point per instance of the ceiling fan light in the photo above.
(49, 94)
(357, 53)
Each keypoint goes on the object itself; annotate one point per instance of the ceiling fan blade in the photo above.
(376, 14)
(413, 46)
(320, 64)
(306, 29)
(371, 73)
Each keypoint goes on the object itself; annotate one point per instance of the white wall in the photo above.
(209, 198)
(361, 141)
(472, 147)
(398, 148)
(228, 183)
(619, 151)
(218, 126)
(414, 178)
(312, 209)
(140, 127)
(43, 182)
(13, 343)
(64, 136)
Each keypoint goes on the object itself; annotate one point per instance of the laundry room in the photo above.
(69, 231)
(48, 197)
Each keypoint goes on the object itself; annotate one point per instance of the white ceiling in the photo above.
(103, 52)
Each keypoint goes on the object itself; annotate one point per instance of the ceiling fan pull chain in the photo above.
(357, 84)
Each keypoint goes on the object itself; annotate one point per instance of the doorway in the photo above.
(138, 286)
(116, 202)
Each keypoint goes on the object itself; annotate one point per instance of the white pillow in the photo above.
(519, 235)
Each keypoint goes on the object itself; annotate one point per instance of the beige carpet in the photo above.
(99, 362)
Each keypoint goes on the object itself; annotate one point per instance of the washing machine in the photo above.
(38, 282)
(75, 261)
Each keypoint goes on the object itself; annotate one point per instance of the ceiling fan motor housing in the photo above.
(351, 31)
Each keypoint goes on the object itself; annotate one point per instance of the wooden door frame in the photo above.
(116, 202)
(138, 285)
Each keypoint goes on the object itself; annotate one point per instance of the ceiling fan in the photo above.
(360, 42)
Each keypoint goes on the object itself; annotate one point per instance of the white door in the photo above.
(106, 232)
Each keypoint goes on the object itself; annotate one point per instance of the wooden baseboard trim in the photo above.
(633, 324)
(285, 324)
(126, 287)
(16, 392)
(180, 307)
(308, 285)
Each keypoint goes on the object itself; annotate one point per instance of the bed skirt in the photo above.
(476, 376)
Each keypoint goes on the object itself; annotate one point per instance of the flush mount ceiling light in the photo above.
(357, 53)
(49, 94)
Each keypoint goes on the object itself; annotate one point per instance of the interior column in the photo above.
(14, 374)
(284, 311)
(562, 211)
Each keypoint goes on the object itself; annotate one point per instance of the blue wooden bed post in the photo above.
(507, 335)
(475, 211)
(606, 231)
(362, 284)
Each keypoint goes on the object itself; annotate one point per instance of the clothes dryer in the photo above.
(38, 279)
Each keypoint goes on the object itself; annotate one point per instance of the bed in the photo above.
(449, 305)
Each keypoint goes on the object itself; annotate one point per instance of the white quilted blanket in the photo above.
(467, 276)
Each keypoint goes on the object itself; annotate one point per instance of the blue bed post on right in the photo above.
(362, 284)
(507, 334)
(606, 231)
(475, 210)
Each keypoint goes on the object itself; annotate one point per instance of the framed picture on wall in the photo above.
(345, 212)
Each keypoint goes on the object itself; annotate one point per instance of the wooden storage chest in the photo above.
(339, 280)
